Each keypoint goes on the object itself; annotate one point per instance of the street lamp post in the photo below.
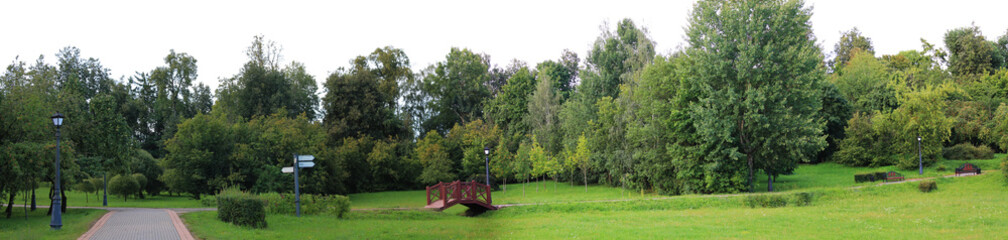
(920, 160)
(486, 152)
(57, 204)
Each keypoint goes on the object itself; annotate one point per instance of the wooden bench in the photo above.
(893, 176)
(967, 168)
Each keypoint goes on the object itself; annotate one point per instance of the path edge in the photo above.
(180, 227)
(98, 225)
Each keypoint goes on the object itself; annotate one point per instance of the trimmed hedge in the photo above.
(966, 151)
(869, 177)
(241, 208)
(277, 203)
(927, 186)
(779, 200)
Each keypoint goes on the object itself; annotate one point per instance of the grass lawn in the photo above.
(76, 198)
(534, 192)
(75, 223)
(968, 207)
(836, 175)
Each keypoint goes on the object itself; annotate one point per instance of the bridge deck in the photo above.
(471, 194)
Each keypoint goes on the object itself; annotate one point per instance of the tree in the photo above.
(433, 157)
(543, 112)
(510, 106)
(85, 187)
(123, 185)
(262, 88)
(850, 42)
(835, 112)
(760, 69)
(998, 126)
(863, 83)
(198, 155)
(456, 89)
(921, 114)
(579, 158)
(970, 52)
(361, 100)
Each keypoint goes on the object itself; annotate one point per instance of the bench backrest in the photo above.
(893, 174)
(969, 167)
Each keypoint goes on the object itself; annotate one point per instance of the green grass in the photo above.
(836, 175)
(534, 192)
(81, 199)
(75, 223)
(969, 207)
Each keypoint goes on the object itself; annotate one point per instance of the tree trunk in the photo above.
(33, 200)
(64, 200)
(585, 174)
(10, 204)
(769, 183)
(752, 182)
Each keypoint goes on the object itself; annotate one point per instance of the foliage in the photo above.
(466, 144)
(198, 160)
(510, 106)
(966, 151)
(998, 127)
(543, 113)
(240, 208)
(262, 88)
(970, 52)
(863, 83)
(779, 200)
(851, 41)
(920, 115)
(456, 91)
(123, 185)
(433, 157)
(864, 146)
(277, 203)
(927, 186)
(744, 114)
(836, 110)
(361, 100)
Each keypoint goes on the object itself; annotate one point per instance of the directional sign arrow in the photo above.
(306, 164)
(305, 158)
(287, 170)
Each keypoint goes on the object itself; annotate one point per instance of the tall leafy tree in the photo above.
(970, 52)
(760, 69)
(850, 42)
(456, 89)
(262, 88)
(361, 100)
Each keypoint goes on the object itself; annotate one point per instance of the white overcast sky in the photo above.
(130, 36)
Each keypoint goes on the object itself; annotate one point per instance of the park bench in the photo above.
(967, 168)
(892, 176)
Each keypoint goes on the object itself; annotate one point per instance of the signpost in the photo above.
(300, 161)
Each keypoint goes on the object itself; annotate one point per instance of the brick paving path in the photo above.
(138, 223)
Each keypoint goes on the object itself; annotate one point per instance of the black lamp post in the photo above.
(486, 152)
(920, 160)
(57, 204)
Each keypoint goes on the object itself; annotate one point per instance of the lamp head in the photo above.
(486, 150)
(57, 119)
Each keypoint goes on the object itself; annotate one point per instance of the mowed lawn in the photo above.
(75, 223)
(966, 207)
(825, 175)
(81, 199)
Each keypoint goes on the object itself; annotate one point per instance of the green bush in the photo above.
(927, 186)
(940, 168)
(241, 208)
(869, 177)
(283, 203)
(208, 201)
(123, 185)
(966, 151)
(779, 200)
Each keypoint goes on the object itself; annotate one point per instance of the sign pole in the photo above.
(297, 188)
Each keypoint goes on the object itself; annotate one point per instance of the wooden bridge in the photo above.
(471, 194)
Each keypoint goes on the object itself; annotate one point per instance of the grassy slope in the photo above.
(75, 223)
(78, 199)
(836, 175)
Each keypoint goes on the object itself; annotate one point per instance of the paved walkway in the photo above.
(139, 223)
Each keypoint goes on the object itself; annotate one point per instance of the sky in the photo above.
(135, 36)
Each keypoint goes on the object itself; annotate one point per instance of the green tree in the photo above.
(743, 68)
(970, 52)
(921, 114)
(579, 159)
(863, 82)
(543, 113)
(998, 127)
(198, 160)
(510, 106)
(123, 185)
(850, 42)
(361, 100)
(433, 157)
(456, 90)
(262, 88)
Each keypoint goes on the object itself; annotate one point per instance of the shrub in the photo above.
(779, 200)
(927, 186)
(123, 185)
(283, 203)
(966, 151)
(208, 202)
(940, 168)
(240, 208)
(869, 177)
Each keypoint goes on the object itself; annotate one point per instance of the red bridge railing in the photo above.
(444, 195)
